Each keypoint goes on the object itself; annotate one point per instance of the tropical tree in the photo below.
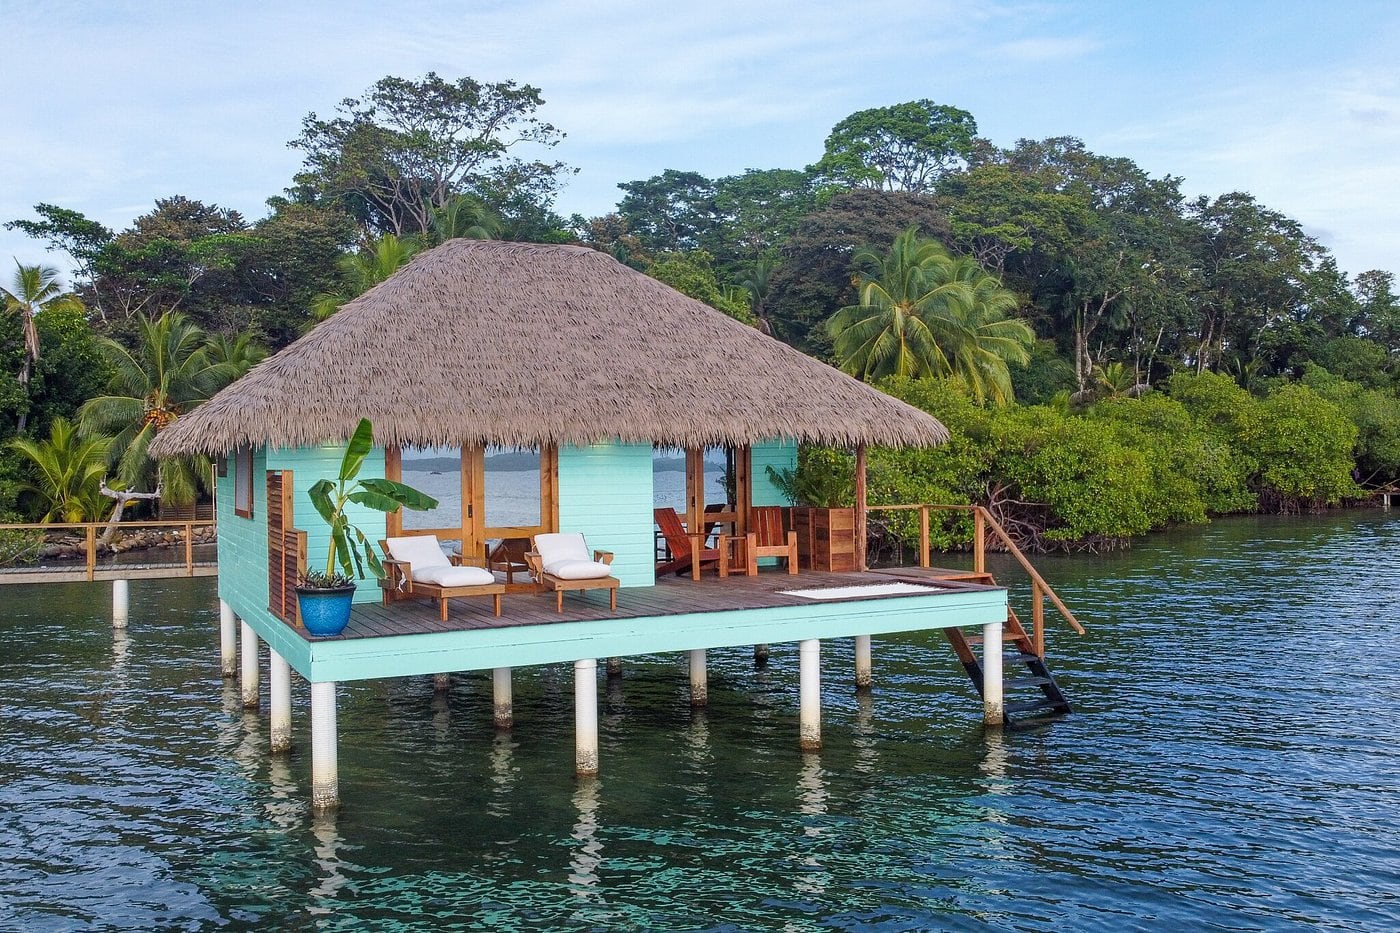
(240, 351)
(903, 147)
(169, 372)
(756, 279)
(923, 313)
(66, 473)
(359, 272)
(35, 289)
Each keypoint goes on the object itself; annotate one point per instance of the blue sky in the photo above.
(110, 105)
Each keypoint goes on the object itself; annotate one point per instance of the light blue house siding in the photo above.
(605, 492)
(243, 543)
(780, 455)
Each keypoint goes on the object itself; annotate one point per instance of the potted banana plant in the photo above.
(325, 598)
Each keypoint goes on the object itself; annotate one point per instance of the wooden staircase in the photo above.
(1020, 653)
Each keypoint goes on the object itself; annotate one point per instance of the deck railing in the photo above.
(983, 523)
(91, 531)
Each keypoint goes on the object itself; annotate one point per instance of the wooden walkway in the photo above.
(670, 596)
(79, 574)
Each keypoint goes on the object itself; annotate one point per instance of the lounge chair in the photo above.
(416, 567)
(688, 551)
(563, 562)
(765, 539)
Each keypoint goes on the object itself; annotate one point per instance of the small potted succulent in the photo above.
(325, 598)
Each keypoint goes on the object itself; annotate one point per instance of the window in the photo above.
(243, 482)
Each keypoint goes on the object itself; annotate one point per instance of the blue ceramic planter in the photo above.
(325, 612)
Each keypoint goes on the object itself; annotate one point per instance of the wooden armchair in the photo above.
(688, 550)
(415, 567)
(562, 562)
(765, 539)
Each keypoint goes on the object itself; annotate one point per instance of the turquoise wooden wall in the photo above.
(605, 492)
(780, 455)
(243, 542)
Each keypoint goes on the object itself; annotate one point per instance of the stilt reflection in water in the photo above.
(329, 865)
(812, 877)
(503, 774)
(864, 740)
(588, 851)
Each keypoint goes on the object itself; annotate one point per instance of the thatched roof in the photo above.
(521, 345)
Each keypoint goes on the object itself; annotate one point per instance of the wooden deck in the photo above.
(671, 596)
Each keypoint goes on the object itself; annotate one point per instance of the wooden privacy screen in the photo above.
(286, 547)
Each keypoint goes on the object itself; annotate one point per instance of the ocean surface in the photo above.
(1233, 763)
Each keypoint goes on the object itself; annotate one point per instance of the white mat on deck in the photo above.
(864, 589)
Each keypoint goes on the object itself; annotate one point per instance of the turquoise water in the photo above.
(1232, 764)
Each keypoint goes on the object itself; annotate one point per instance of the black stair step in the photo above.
(1026, 682)
(1043, 703)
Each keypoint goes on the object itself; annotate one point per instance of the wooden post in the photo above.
(228, 641)
(502, 704)
(280, 700)
(1038, 617)
(121, 601)
(586, 717)
(189, 549)
(325, 781)
(979, 541)
(863, 677)
(91, 552)
(249, 683)
(809, 677)
(993, 707)
(699, 685)
(923, 537)
(862, 542)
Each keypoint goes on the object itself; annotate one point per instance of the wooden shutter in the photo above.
(286, 547)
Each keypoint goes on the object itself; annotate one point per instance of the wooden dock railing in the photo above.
(984, 522)
(91, 529)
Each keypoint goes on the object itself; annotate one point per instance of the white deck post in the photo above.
(699, 682)
(863, 678)
(809, 676)
(249, 679)
(228, 641)
(503, 709)
(993, 708)
(760, 655)
(325, 783)
(120, 601)
(586, 716)
(279, 680)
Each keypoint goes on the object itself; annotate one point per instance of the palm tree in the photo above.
(67, 473)
(757, 281)
(923, 313)
(240, 351)
(984, 339)
(169, 372)
(35, 288)
(466, 217)
(359, 272)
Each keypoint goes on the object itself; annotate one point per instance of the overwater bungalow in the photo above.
(585, 368)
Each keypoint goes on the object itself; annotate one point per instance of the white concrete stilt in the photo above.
(760, 655)
(863, 678)
(809, 677)
(279, 680)
(325, 782)
(249, 677)
(586, 717)
(993, 707)
(614, 667)
(503, 707)
(699, 679)
(442, 682)
(120, 602)
(228, 641)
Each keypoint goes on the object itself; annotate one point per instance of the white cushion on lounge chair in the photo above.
(578, 570)
(452, 576)
(421, 551)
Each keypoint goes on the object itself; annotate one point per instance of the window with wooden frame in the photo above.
(243, 482)
(483, 494)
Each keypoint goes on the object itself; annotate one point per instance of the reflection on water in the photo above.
(1196, 786)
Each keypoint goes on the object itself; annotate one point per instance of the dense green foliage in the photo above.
(1174, 358)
